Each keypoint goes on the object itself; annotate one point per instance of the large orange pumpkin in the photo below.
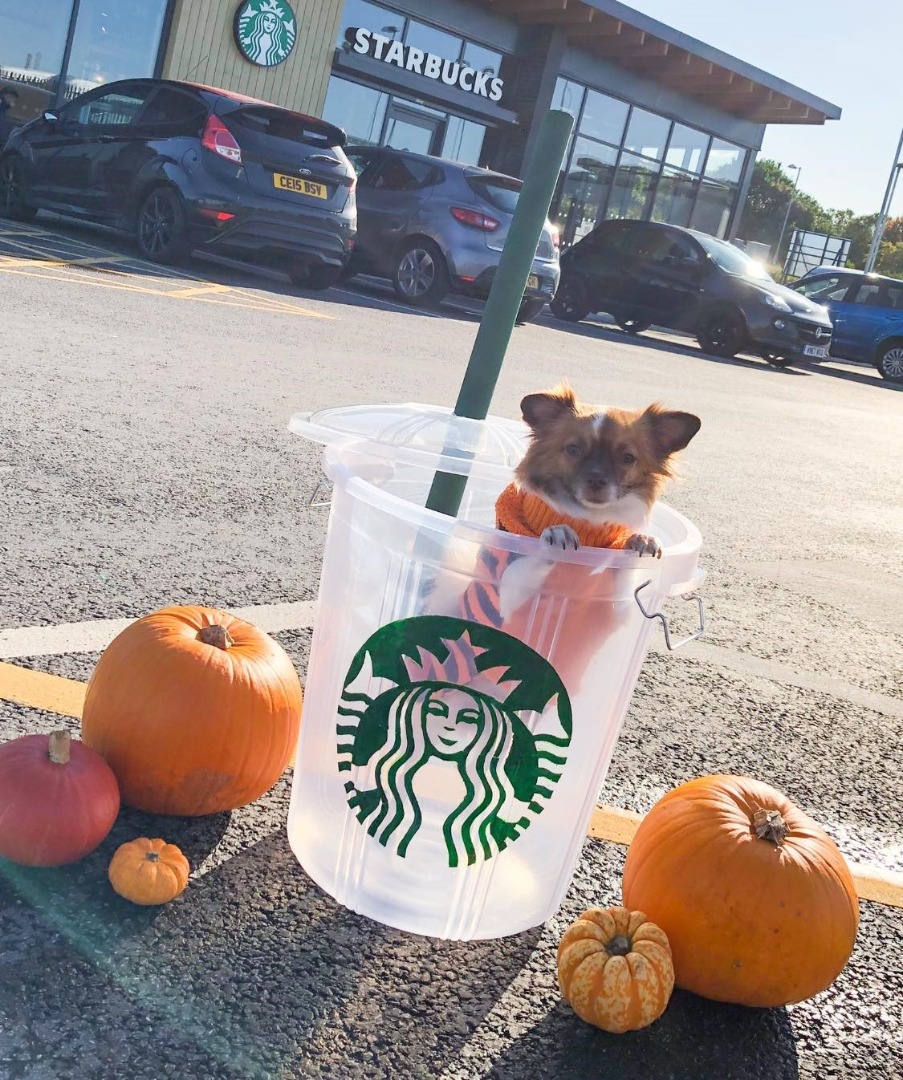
(756, 899)
(195, 710)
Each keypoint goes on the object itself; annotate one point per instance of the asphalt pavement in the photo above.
(145, 461)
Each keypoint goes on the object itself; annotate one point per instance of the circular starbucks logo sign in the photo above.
(265, 31)
(434, 704)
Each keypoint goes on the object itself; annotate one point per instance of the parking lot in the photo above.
(145, 461)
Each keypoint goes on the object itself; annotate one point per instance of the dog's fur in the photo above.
(602, 467)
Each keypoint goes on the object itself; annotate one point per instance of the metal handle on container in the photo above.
(658, 615)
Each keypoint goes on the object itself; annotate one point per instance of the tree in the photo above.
(770, 194)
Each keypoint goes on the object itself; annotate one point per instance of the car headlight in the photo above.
(776, 302)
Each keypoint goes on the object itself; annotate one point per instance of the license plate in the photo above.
(299, 186)
(533, 281)
(818, 351)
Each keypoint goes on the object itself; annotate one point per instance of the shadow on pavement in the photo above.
(253, 973)
(694, 1040)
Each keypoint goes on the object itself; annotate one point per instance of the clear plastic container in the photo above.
(447, 769)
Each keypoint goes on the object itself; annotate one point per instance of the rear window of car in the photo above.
(281, 124)
(500, 191)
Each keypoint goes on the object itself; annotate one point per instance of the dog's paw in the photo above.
(560, 536)
(645, 545)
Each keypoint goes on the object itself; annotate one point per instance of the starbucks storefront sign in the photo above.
(408, 57)
(265, 31)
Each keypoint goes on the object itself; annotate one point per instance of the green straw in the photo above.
(507, 292)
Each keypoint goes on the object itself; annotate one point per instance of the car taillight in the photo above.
(474, 218)
(220, 140)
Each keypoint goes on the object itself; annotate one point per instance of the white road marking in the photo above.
(96, 634)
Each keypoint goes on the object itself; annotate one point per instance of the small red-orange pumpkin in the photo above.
(195, 710)
(58, 800)
(757, 901)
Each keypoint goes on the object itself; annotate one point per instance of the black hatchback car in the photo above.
(643, 273)
(184, 167)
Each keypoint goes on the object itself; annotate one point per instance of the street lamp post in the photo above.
(881, 223)
(796, 181)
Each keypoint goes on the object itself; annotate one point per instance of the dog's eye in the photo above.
(627, 458)
(573, 450)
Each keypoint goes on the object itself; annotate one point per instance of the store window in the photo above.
(631, 193)
(647, 134)
(432, 40)
(112, 40)
(463, 141)
(358, 110)
(482, 59)
(674, 197)
(686, 148)
(585, 187)
(371, 16)
(603, 117)
(719, 188)
(725, 161)
(568, 96)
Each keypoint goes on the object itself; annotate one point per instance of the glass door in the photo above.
(419, 132)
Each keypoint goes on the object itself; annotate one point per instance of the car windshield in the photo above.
(732, 259)
(500, 191)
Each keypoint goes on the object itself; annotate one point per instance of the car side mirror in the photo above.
(51, 117)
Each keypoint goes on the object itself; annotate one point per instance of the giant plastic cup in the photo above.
(447, 769)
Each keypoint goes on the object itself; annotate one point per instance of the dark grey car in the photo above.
(435, 226)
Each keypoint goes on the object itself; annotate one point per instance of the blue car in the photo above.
(867, 312)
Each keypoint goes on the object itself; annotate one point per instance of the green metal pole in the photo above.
(507, 291)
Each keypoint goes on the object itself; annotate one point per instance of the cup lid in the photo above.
(417, 434)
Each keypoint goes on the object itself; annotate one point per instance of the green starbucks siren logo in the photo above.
(265, 31)
(440, 711)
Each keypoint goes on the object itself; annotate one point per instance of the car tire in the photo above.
(160, 229)
(570, 302)
(890, 361)
(722, 331)
(632, 326)
(775, 360)
(12, 190)
(420, 276)
(315, 278)
(530, 310)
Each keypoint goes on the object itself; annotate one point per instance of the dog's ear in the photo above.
(541, 410)
(671, 431)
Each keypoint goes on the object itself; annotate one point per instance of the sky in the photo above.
(848, 53)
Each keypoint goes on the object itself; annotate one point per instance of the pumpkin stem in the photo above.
(59, 747)
(216, 635)
(618, 946)
(152, 856)
(769, 825)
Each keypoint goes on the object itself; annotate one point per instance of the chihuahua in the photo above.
(590, 477)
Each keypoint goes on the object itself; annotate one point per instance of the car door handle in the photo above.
(106, 138)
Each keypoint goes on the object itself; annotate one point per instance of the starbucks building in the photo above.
(666, 126)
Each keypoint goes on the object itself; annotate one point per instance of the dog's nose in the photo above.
(596, 480)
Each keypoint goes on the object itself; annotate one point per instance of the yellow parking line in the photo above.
(198, 289)
(52, 693)
(55, 263)
(38, 690)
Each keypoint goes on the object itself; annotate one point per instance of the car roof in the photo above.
(432, 159)
(827, 268)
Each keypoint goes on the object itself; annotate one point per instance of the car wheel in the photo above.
(315, 278)
(722, 332)
(420, 276)
(633, 326)
(530, 310)
(890, 362)
(570, 301)
(160, 227)
(12, 190)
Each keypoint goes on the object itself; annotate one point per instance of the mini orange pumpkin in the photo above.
(756, 899)
(195, 710)
(614, 969)
(148, 871)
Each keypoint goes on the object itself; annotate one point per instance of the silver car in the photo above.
(436, 226)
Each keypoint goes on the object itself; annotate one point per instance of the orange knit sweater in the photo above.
(520, 512)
